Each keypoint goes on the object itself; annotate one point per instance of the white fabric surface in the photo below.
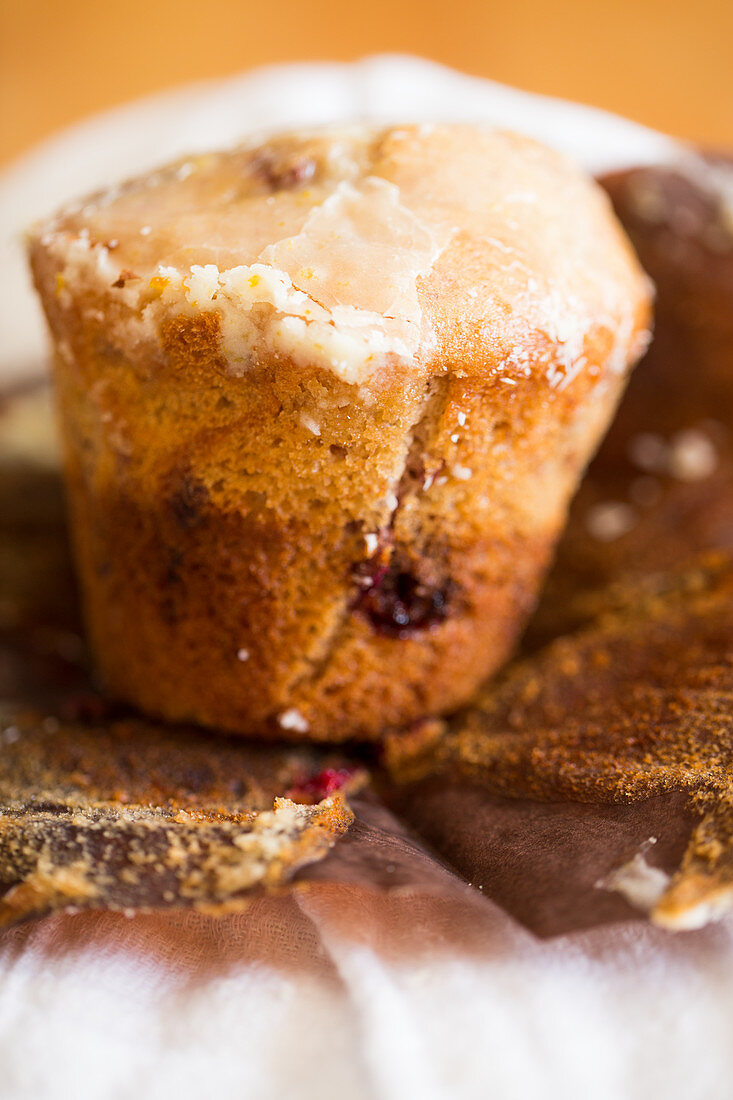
(393, 1006)
(626, 1013)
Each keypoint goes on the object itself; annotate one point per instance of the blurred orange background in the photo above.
(663, 62)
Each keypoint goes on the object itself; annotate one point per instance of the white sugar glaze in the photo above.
(136, 137)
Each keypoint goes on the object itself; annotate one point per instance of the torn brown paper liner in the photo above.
(634, 707)
(129, 817)
(588, 786)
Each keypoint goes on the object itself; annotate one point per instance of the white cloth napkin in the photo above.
(390, 1007)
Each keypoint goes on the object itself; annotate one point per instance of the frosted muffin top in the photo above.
(441, 247)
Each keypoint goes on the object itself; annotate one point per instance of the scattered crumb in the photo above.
(692, 456)
(689, 456)
(648, 201)
(610, 521)
(639, 883)
(292, 719)
(648, 451)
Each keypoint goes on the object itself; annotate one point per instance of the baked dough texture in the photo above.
(324, 401)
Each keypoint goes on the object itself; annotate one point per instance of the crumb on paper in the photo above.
(292, 719)
(637, 881)
(692, 456)
(610, 520)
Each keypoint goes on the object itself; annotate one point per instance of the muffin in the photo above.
(324, 401)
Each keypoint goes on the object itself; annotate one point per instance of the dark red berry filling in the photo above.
(396, 600)
(314, 788)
